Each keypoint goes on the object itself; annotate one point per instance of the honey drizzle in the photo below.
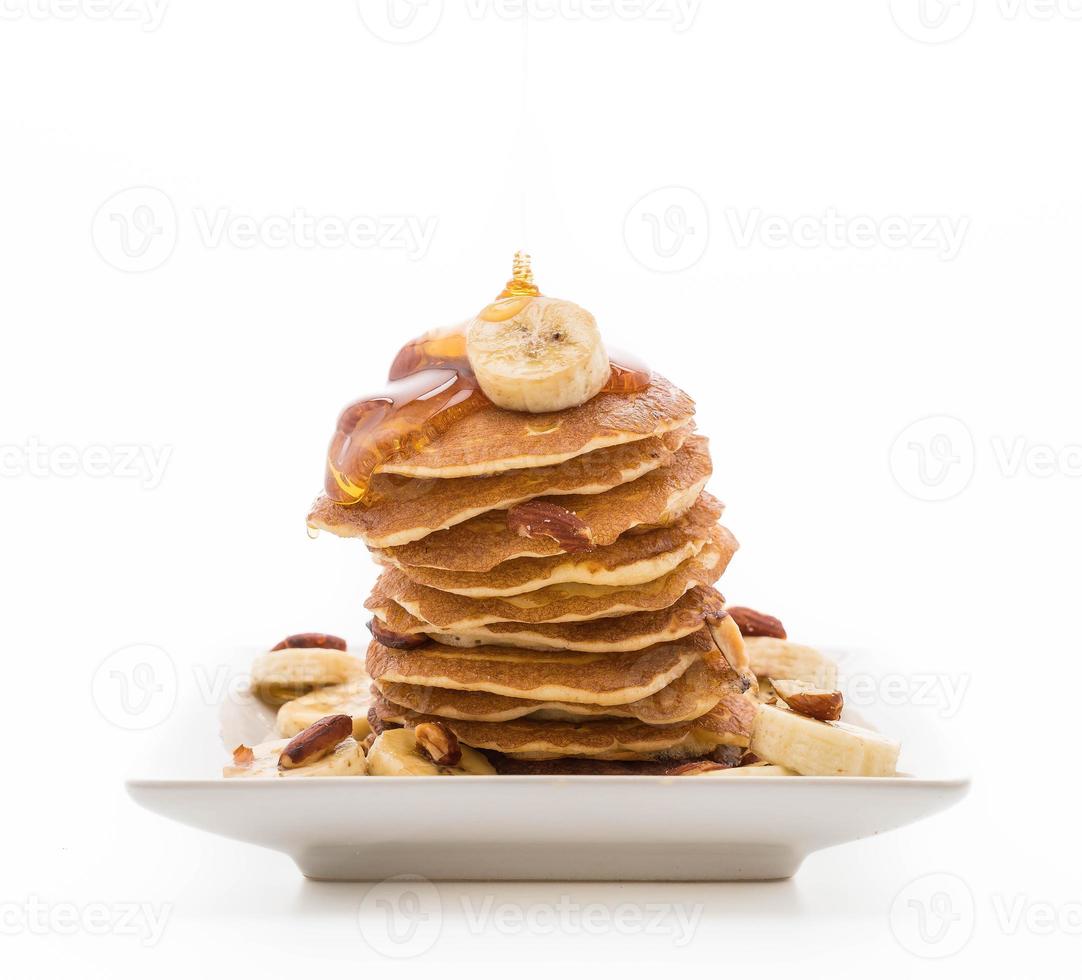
(430, 388)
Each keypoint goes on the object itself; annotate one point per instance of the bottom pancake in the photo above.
(725, 756)
(728, 723)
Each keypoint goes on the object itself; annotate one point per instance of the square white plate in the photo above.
(538, 827)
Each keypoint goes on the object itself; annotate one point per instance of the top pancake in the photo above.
(405, 509)
(482, 543)
(493, 440)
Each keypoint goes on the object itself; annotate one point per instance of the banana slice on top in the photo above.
(395, 752)
(261, 761)
(545, 356)
(352, 699)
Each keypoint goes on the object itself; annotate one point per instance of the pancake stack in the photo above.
(547, 591)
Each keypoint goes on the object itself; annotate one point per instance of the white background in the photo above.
(810, 349)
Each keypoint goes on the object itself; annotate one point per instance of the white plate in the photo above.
(540, 827)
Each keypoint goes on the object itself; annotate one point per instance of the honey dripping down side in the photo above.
(430, 388)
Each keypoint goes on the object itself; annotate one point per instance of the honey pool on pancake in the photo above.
(430, 387)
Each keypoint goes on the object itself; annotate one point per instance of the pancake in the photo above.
(618, 635)
(691, 695)
(632, 560)
(406, 509)
(727, 756)
(492, 440)
(728, 723)
(561, 603)
(482, 543)
(541, 675)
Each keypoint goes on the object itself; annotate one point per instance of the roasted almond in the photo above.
(396, 641)
(438, 742)
(542, 519)
(316, 741)
(299, 641)
(806, 699)
(753, 623)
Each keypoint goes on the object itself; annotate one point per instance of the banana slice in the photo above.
(395, 753)
(347, 759)
(770, 657)
(352, 699)
(545, 357)
(821, 748)
(282, 675)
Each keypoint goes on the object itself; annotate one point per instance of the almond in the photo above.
(753, 623)
(438, 742)
(540, 518)
(298, 641)
(316, 741)
(396, 641)
(695, 768)
(806, 699)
